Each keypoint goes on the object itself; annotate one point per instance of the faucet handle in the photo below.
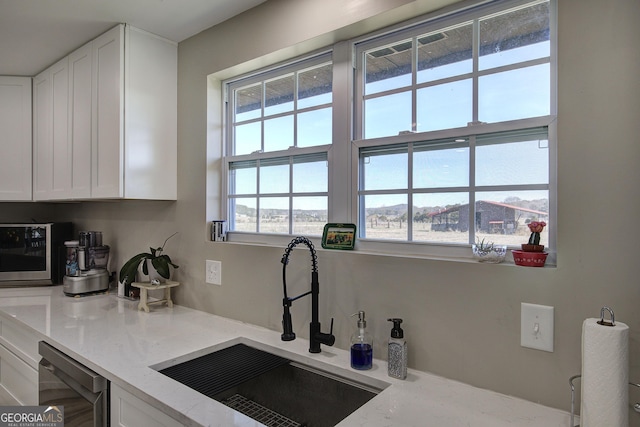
(327, 339)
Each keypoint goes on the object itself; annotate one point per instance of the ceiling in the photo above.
(36, 33)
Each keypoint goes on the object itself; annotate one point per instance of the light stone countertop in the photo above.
(111, 336)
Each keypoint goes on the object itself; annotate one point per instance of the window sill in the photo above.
(445, 253)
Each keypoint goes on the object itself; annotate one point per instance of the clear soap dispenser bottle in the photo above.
(361, 345)
(397, 360)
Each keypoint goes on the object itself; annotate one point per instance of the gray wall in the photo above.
(462, 320)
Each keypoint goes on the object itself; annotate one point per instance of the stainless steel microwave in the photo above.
(33, 254)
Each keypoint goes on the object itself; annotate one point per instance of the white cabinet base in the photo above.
(18, 380)
(18, 364)
(129, 411)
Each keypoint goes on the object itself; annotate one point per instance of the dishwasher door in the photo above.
(82, 393)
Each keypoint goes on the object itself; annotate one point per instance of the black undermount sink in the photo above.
(272, 389)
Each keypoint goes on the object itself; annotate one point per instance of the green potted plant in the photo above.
(534, 245)
(488, 251)
(159, 261)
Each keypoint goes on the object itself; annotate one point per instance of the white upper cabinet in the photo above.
(51, 149)
(15, 138)
(121, 121)
(134, 149)
(151, 116)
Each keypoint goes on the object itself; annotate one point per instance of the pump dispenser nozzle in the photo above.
(361, 345)
(397, 331)
(361, 322)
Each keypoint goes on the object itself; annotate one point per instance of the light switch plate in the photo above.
(536, 326)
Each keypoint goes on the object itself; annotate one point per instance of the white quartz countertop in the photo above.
(111, 336)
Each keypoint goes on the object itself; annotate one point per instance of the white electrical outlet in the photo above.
(536, 326)
(213, 272)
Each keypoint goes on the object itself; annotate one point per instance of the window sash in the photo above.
(412, 190)
(440, 25)
(263, 118)
(259, 196)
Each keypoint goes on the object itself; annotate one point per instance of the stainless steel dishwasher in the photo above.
(82, 393)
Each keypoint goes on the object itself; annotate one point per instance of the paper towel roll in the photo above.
(605, 375)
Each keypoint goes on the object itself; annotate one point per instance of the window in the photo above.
(278, 140)
(452, 128)
(449, 134)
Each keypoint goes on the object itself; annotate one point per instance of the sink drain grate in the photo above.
(221, 370)
(258, 412)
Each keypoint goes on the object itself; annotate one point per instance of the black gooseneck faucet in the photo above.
(316, 337)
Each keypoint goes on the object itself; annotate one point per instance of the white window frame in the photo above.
(343, 153)
(298, 64)
(438, 23)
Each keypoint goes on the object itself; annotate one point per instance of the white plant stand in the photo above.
(145, 287)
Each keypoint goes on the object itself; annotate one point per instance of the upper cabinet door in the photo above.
(42, 137)
(80, 78)
(51, 144)
(15, 138)
(107, 115)
(151, 100)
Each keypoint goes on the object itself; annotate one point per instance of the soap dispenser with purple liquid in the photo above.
(361, 345)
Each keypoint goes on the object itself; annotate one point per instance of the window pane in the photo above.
(310, 215)
(315, 86)
(274, 178)
(248, 102)
(388, 67)
(513, 37)
(441, 167)
(278, 133)
(386, 217)
(310, 177)
(248, 138)
(243, 180)
(502, 217)
(244, 214)
(278, 95)
(441, 217)
(387, 115)
(445, 106)
(515, 94)
(274, 215)
(314, 128)
(445, 54)
(385, 171)
(523, 162)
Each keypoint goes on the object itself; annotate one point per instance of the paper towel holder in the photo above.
(636, 407)
(604, 322)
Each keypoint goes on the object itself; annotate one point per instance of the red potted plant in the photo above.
(532, 253)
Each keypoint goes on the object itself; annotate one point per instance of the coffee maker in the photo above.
(86, 267)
